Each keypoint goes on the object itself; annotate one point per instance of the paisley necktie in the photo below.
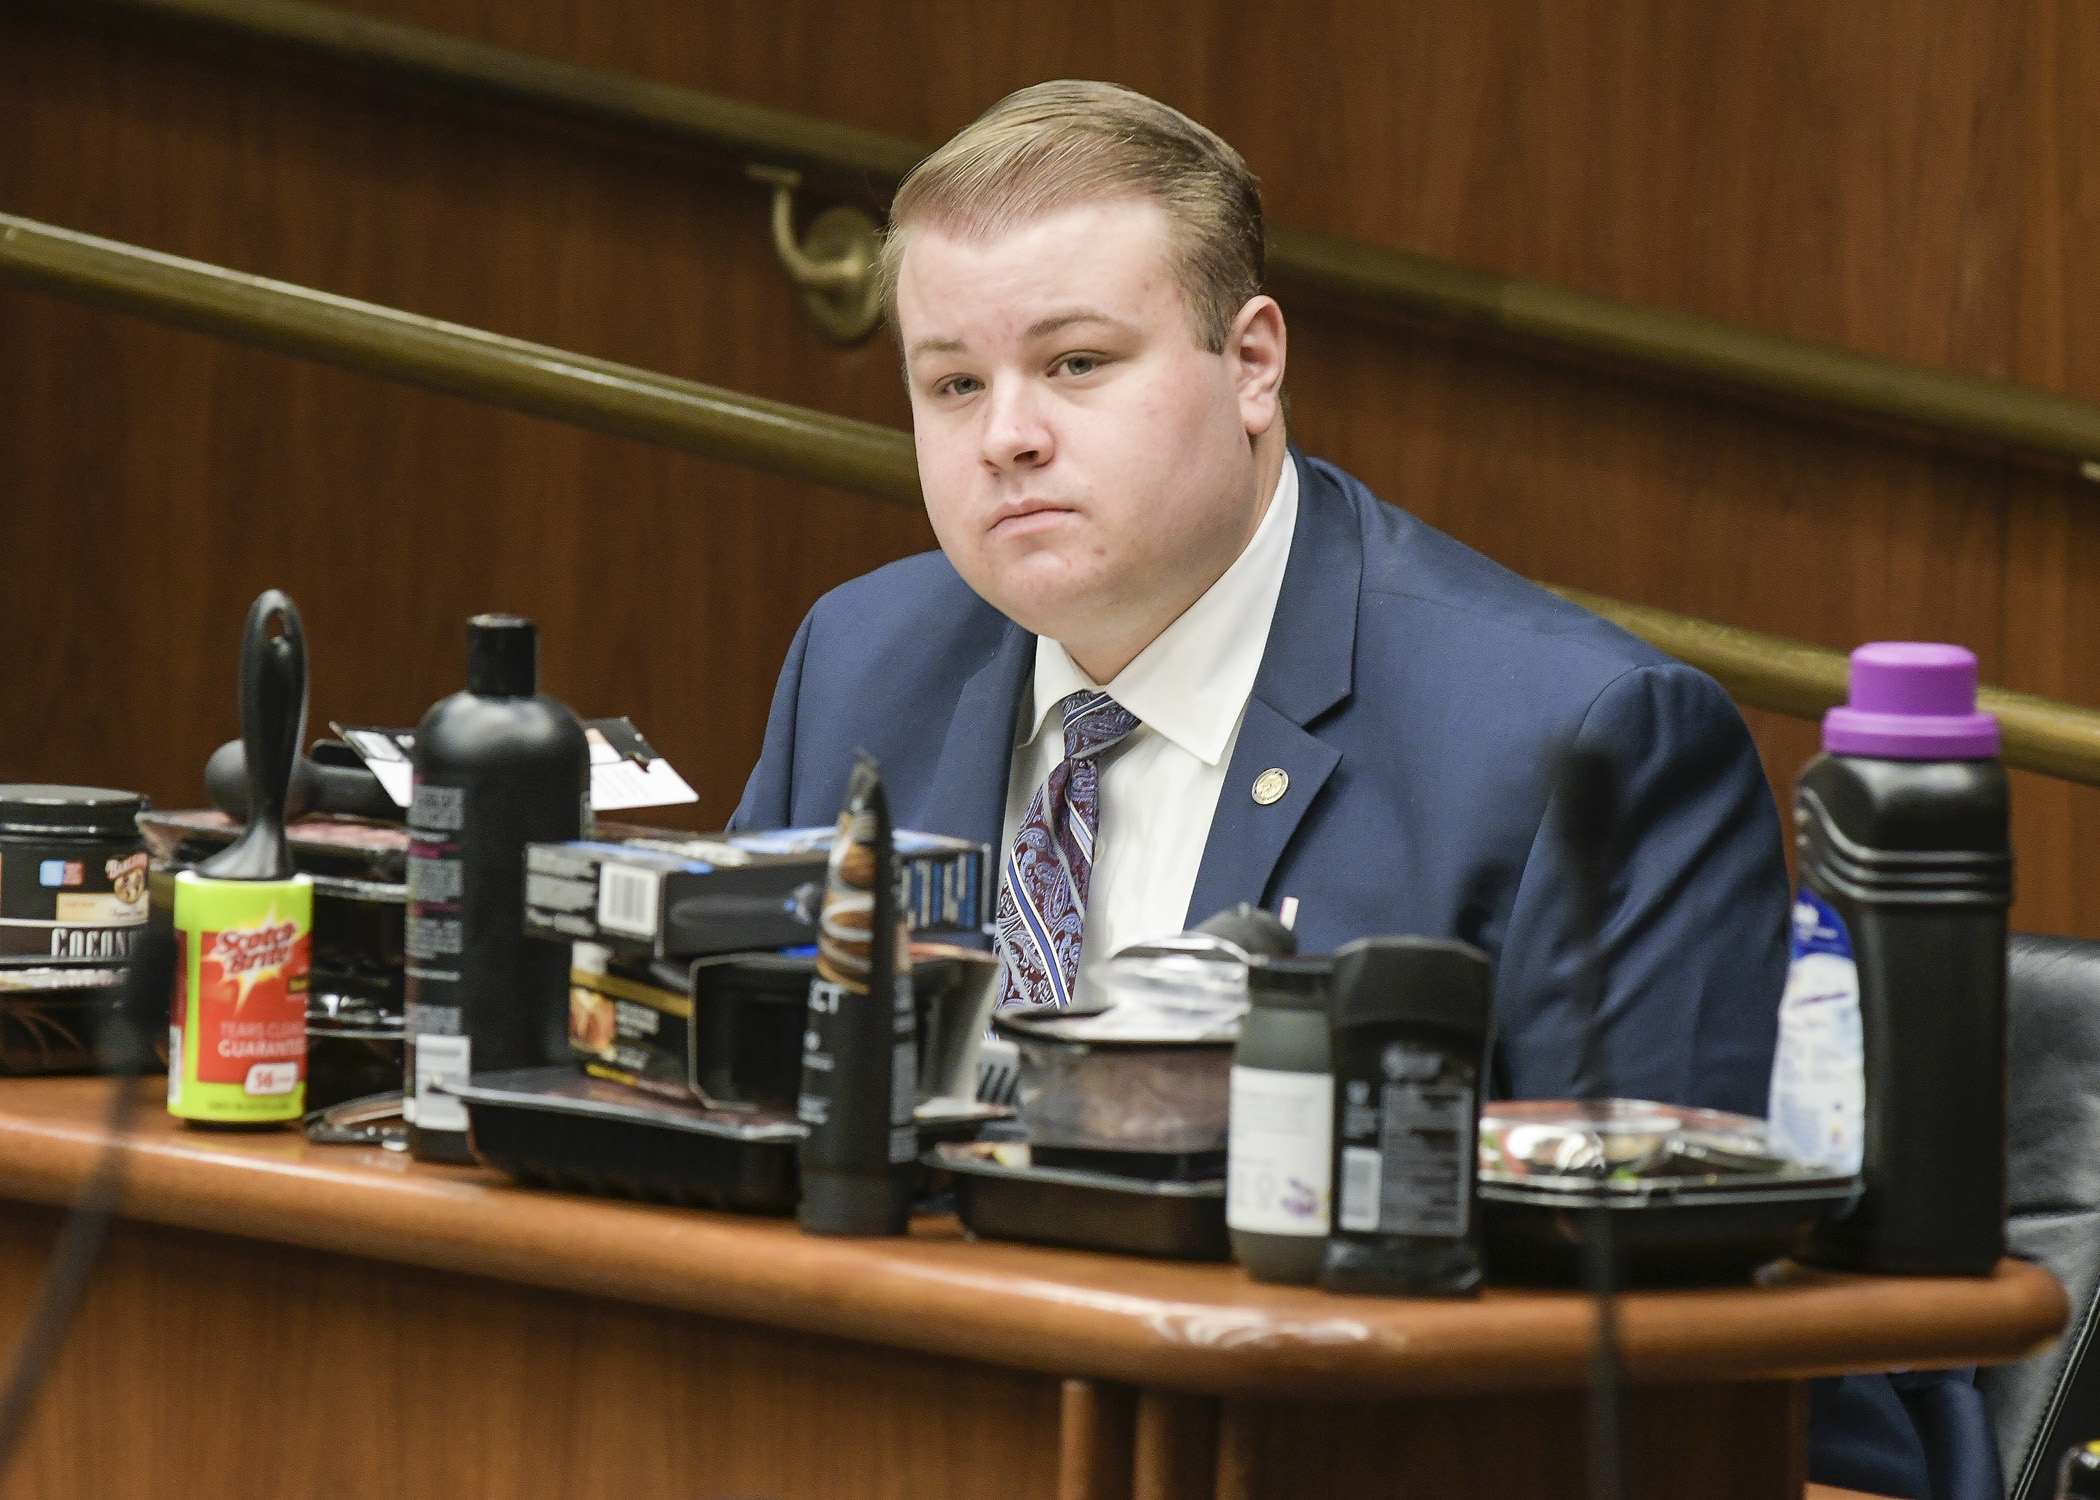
(1042, 902)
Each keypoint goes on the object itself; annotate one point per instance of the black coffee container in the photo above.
(1411, 1022)
(1901, 827)
(72, 875)
(497, 767)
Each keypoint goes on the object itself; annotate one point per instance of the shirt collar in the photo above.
(1192, 682)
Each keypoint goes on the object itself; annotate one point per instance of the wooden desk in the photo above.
(274, 1318)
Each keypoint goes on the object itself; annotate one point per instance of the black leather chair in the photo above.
(2042, 1406)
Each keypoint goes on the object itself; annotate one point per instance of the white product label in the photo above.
(1425, 1145)
(1818, 1105)
(174, 1065)
(627, 899)
(447, 1060)
(1279, 1152)
(437, 809)
(1361, 1175)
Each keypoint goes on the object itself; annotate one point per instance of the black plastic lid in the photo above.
(1252, 929)
(1291, 983)
(503, 657)
(1419, 981)
(91, 811)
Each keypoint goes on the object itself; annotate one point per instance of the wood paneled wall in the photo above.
(1910, 177)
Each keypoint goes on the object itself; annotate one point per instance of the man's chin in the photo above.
(1058, 613)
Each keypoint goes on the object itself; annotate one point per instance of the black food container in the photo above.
(360, 874)
(749, 1010)
(556, 1127)
(1084, 1210)
(353, 1048)
(1695, 1197)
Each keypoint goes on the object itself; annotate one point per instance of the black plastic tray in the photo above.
(556, 1127)
(1665, 1232)
(1085, 1210)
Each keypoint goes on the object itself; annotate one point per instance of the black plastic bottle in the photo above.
(1906, 868)
(496, 767)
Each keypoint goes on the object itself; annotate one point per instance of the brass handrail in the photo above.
(459, 361)
(1794, 678)
(1789, 677)
(1797, 373)
(457, 65)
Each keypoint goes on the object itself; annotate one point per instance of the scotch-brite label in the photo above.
(246, 957)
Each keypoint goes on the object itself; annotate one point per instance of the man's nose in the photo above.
(1016, 434)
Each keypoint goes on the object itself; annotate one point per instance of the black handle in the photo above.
(273, 722)
(273, 703)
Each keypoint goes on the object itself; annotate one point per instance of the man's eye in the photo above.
(1080, 364)
(959, 385)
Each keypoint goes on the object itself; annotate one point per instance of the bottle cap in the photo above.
(1418, 981)
(503, 659)
(1254, 930)
(1912, 700)
(1290, 983)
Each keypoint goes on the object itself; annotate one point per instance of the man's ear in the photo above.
(1255, 346)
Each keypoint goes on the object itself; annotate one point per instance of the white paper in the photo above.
(619, 783)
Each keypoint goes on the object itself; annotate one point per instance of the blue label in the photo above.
(1816, 1111)
(1818, 928)
(51, 872)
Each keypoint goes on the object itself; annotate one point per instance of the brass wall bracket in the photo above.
(834, 263)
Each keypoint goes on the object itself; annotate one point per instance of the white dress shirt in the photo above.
(1159, 787)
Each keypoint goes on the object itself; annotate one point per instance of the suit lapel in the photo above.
(1246, 836)
(967, 797)
(1306, 669)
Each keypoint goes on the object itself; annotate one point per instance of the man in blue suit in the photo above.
(1339, 708)
(1164, 663)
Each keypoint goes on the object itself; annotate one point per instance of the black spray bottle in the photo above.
(860, 1045)
(1891, 1056)
(496, 767)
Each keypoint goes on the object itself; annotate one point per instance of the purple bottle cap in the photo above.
(1912, 700)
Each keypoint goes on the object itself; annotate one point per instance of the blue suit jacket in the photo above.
(1419, 698)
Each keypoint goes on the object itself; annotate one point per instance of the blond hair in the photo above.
(1072, 141)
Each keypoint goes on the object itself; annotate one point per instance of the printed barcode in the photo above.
(1359, 1189)
(627, 900)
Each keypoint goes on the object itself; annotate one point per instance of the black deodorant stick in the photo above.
(1411, 1021)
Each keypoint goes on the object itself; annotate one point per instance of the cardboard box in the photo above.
(672, 895)
(626, 1025)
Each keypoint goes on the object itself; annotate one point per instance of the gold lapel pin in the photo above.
(1271, 785)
